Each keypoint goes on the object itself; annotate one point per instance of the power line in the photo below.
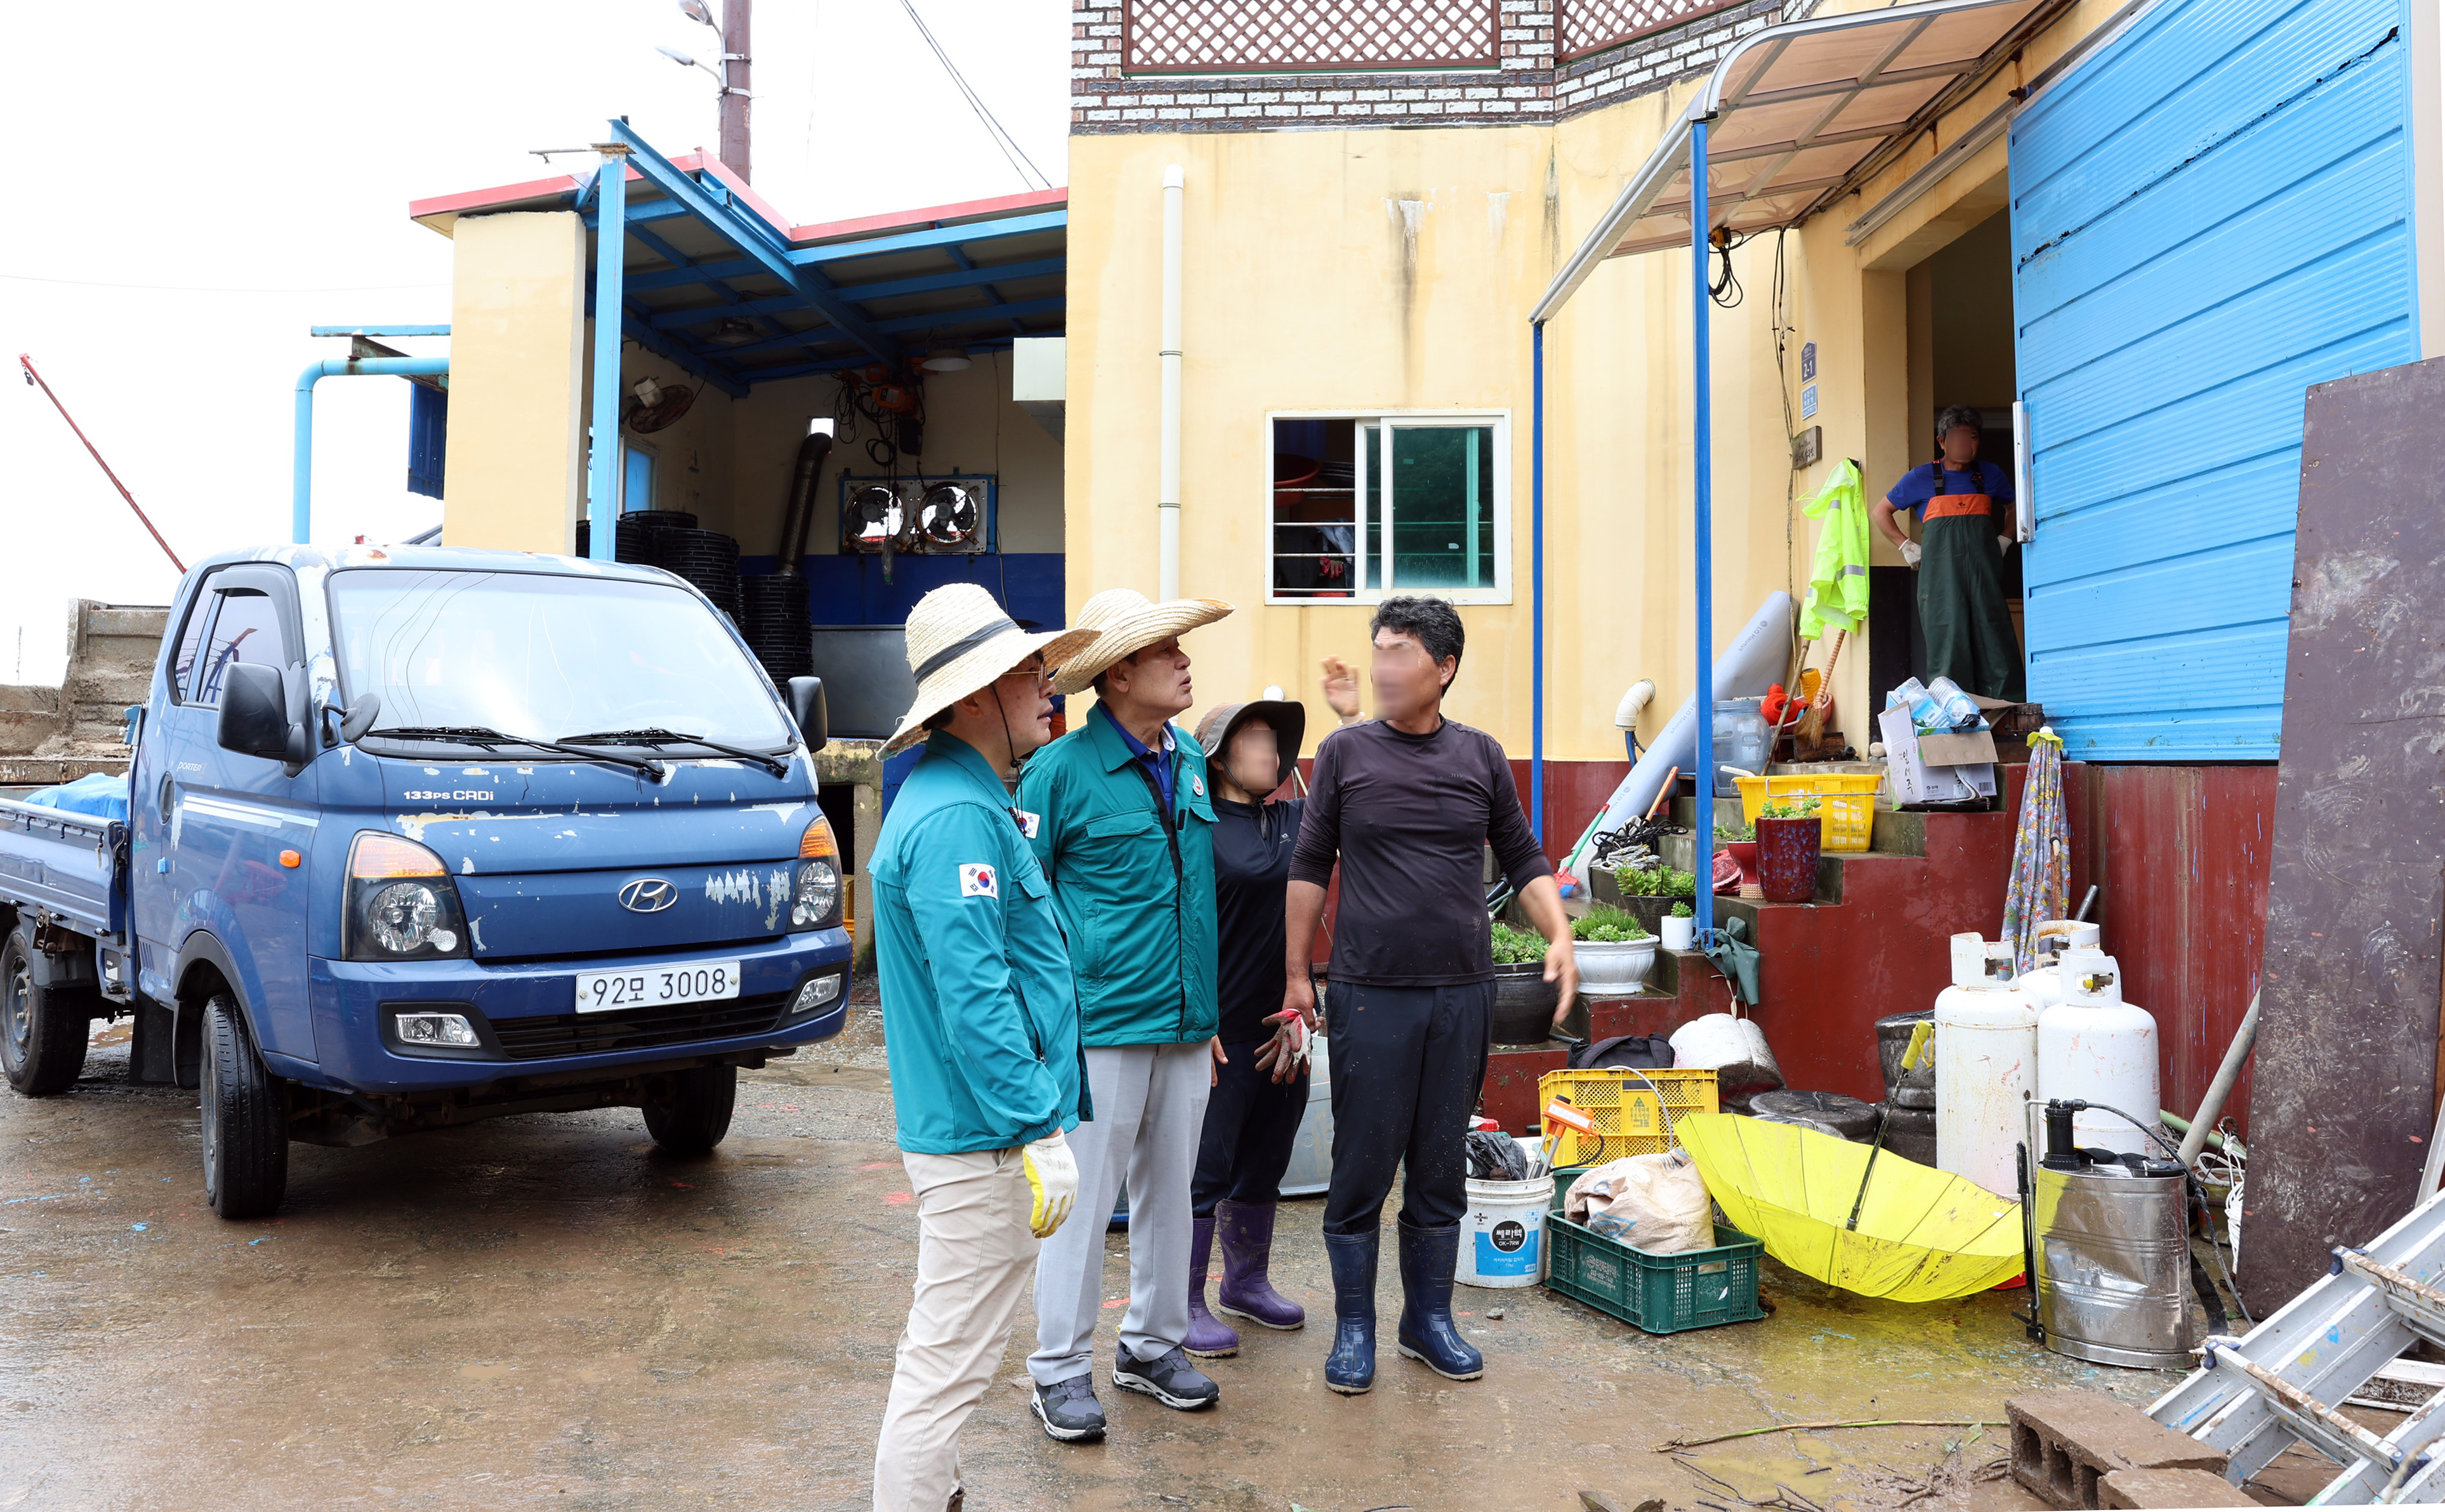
(993, 128)
(208, 288)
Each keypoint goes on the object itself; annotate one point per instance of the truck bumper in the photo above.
(525, 1016)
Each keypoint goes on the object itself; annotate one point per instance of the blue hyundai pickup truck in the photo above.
(414, 837)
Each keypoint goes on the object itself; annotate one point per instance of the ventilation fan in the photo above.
(873, 520)
(925, 516)
(950, 517)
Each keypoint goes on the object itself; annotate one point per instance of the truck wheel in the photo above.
(43, 1029)
(698, 1112)
(246, 1118)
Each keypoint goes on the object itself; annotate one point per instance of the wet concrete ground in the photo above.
(544, 1312)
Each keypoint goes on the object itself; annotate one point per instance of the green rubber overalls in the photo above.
(1960, 605)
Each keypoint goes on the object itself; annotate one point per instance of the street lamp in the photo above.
(690, 61)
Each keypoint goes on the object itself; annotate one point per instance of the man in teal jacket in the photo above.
(980, 1020)
(1125, 831)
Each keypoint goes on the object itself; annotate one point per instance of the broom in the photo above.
(1812, 724)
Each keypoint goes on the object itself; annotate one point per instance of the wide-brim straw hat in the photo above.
(960, 642)
(1287, 716)
(1130, 621)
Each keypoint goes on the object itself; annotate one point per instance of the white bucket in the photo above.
(1502, 1239)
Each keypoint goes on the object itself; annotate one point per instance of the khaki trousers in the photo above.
(974, 1253)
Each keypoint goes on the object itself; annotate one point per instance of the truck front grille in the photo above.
(637, 1028)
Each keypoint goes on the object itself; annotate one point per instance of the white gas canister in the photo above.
(1986, 1066)
(2057, 939)
(2096, 1048)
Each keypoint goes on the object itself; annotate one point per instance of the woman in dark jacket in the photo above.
(1260, 1076)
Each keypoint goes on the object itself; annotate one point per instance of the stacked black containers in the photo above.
(772, 617)
(706, 558)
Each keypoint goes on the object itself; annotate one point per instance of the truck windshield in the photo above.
(546, 657)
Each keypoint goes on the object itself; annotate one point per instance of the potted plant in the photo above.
(1791, 834)
(1524, 999)
(1648, 895)
(1680, 928)
(1614, 950)
(1740, 843)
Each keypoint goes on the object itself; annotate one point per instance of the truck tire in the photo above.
(43, 1029)
(246, 1118)
(695, 1117)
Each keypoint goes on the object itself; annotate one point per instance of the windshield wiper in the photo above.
(486, 736)
(654, 735)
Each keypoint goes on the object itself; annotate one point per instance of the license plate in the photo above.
(602, 992)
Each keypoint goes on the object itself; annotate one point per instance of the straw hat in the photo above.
(960, 642)
(1130, 623)
(1287, 715)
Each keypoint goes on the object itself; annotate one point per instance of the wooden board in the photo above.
(2347, 1068)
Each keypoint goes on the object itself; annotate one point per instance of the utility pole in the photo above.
(736, 101)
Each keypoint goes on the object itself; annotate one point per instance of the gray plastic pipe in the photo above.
(2235, 1055)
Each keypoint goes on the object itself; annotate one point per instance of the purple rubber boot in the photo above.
(1209, 1337)
(1248, 1233)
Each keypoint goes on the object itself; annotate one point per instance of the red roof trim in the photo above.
(936, 215)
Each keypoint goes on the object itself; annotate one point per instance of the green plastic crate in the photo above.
(1563, 1176)
(1662, 1293)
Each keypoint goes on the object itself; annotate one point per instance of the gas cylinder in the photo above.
(2093, 1047)
(2056, 937)
(1986, 1066)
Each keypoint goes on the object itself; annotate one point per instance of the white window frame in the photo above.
(1386, 422)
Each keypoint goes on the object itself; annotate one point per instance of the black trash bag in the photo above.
(1644, 1052)
(1496, 1157)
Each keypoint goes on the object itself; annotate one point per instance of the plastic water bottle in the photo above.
(1950, 708)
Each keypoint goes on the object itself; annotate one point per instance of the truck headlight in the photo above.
(817, 898)
(401, 903)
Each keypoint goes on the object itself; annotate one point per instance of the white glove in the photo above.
(1052, 1182)
(1911, 553)
(2002, 545)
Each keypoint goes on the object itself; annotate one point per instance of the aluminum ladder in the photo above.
(2255, 1397)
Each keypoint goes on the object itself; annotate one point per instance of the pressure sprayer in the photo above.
(2110, 1250)
(1986, 1060)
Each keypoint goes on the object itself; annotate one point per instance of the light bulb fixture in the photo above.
(945, 359)
(698, 12)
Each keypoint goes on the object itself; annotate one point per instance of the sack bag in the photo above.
(1734, 1049)
(1643, 1052)
(1655, 1203)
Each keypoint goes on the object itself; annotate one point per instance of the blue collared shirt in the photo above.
(1158, 766)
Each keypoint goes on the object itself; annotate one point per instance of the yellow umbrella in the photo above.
(1923, 1236)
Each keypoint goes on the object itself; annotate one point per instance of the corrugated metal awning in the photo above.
(1797, 115)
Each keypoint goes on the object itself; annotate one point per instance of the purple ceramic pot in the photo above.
(1787, 850)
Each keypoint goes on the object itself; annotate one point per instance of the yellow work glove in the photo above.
(1052, 1182)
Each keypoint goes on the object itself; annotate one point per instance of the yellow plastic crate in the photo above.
(1846, 802)
(1628, 1119)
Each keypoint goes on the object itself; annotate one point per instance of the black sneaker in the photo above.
(1069, 1409)
(1168, 1378)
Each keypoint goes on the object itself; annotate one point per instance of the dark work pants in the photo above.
(1251, 1123)
(1961, 607)
(1408, 1063)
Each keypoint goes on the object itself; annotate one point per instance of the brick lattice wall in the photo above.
(1526, 86)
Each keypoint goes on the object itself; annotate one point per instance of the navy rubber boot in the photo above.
(1428, 1334)
(1350, 1367)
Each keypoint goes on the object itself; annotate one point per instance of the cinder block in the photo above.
(2169, 1488)
(2066, 1442)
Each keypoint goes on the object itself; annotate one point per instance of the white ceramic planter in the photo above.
(1613, 968)
(1679, 934)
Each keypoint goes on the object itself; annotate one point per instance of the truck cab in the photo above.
(419, 836)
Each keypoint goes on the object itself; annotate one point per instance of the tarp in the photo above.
(98, 794)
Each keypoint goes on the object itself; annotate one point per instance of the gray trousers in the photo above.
(1150, 1110)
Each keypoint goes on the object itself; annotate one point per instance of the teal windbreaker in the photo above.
(980, 1006)
(1136, 892)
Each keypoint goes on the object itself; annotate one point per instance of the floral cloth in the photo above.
(2041, 880)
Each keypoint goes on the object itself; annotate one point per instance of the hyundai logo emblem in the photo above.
(649, 895)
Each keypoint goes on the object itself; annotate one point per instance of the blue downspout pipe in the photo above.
(610, 295)
(1537, 581)
(1702, 831)
(301, 493)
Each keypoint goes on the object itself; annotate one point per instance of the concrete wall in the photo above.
(517, 344)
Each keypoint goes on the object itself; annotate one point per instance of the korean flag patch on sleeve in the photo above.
(977, 881)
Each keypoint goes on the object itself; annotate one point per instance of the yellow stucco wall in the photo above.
(1306, 286)
(518, 347)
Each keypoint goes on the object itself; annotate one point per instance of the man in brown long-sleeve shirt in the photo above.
(1409, 802)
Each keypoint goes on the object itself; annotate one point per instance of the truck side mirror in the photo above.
(807, 707)
(255, 713)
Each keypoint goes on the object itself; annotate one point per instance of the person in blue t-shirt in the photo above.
(1962, 503)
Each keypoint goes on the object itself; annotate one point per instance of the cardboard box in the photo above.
(1917, 775)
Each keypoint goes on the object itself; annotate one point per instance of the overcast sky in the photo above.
(198, 185)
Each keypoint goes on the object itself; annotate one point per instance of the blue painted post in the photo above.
(301, 463)
(1702, 457)
(610, 246)
(1537, 581)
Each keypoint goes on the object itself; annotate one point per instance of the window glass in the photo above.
(198, 614)
(636, 481)
(246, 629)
(1442, 513)
(1313, 526)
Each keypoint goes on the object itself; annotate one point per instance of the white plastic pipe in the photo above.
(1168, 501)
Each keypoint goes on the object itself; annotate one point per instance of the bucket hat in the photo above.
(1287, 715)
(960, 642)
(1130, 621)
